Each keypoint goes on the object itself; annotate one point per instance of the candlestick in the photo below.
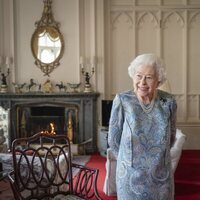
(87, 75)
(5, 75)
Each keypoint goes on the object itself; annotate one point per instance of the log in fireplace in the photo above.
(74, 114)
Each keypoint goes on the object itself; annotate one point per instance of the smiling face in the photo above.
(145, 82)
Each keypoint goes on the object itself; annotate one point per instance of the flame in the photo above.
(52, 130)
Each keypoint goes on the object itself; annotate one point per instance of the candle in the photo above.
(1, 60)
(81, 60)
(8, 61)
(93, 61)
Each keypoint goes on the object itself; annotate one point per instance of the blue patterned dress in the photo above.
(141, 142)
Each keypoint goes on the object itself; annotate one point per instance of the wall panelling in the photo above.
(169, 28)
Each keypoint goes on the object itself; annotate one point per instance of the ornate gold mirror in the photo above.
(47, 43)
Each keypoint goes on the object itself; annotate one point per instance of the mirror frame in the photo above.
(47, 20)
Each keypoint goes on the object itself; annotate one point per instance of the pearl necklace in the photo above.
(149, 108)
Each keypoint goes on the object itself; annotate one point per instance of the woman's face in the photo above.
(145, 81)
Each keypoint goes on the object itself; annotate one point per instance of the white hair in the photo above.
(152, 60)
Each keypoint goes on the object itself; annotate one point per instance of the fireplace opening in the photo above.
(52, 118)
(42, 118)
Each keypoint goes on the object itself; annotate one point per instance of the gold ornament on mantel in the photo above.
(47, 87)
(70, 127)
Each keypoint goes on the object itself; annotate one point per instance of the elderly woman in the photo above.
(141, 132)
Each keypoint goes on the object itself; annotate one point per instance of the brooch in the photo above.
(163, 100)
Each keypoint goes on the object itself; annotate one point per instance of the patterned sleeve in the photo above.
(173, 110)
(115, 125)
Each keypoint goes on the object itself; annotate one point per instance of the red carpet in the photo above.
(98, 162)
(187, 176)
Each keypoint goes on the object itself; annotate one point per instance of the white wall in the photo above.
(27, 12)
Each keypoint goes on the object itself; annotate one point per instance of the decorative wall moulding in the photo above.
(139, 17)
(116, 17)
(193, 17)
(152, 15)
(178, 15)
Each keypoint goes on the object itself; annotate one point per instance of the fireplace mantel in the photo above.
(86, 103)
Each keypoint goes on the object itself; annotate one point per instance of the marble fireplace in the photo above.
(74, 114)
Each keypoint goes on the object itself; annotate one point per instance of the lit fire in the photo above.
(51, 131)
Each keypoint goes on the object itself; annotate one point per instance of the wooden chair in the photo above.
(43, 170)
